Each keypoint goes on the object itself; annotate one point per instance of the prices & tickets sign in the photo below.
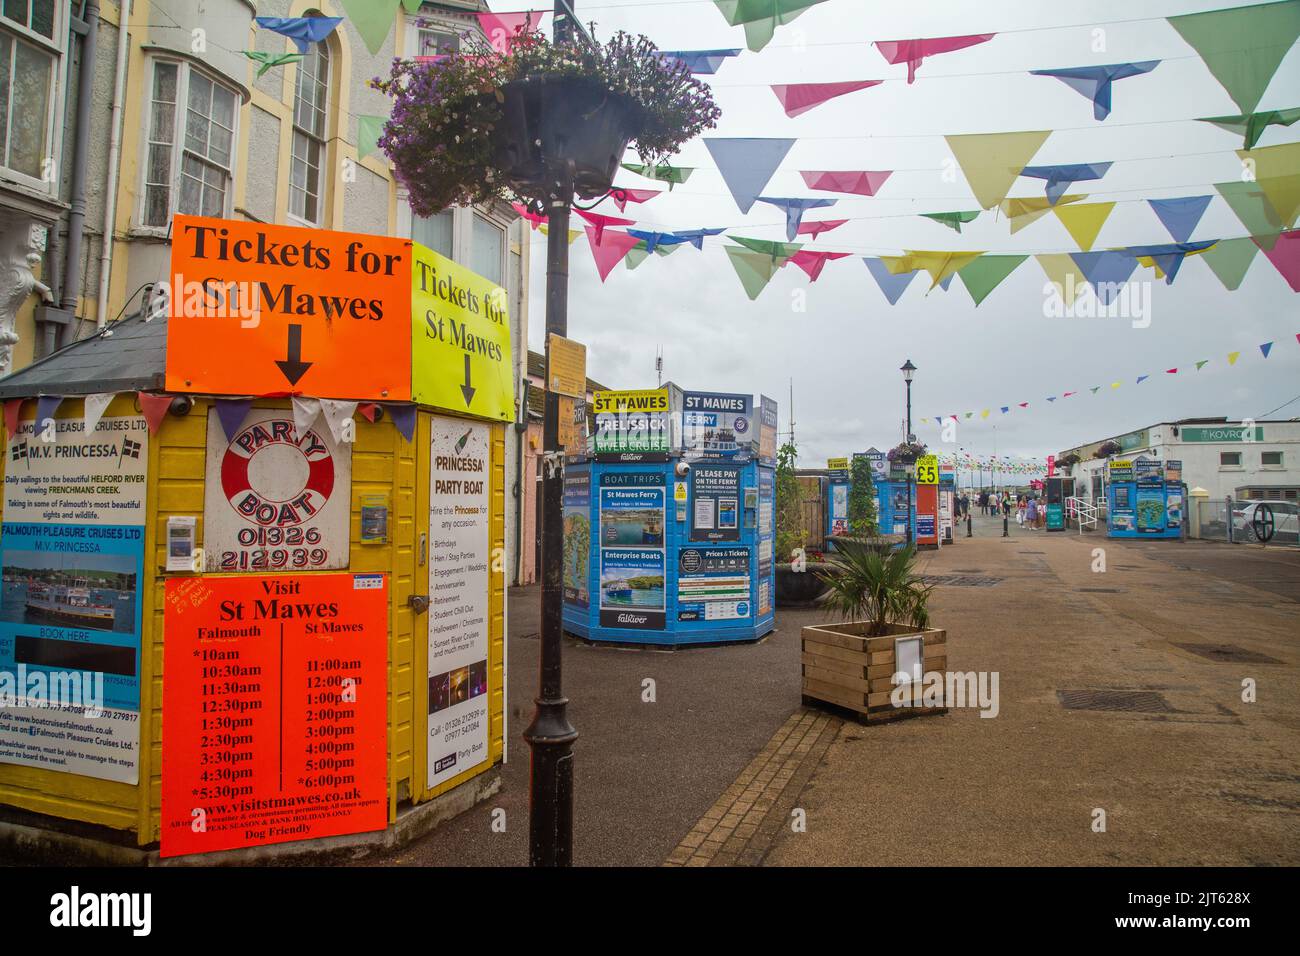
(257, 309)
(275, 500)
(275, 710)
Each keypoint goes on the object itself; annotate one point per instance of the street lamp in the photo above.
(908, 369)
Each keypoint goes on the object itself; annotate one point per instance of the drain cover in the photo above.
(961, 580)
(1131, 701)
(969, 570)
(1031, 552)
(1103, 590)
(1228, 654)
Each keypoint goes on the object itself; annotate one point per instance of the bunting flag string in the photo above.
(1265, 350)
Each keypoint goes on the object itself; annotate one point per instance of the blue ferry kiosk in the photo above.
(669, 531)
(1144, 498)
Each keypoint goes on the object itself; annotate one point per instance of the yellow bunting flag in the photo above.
(940, 265)
(992, 161)
(1064, 274)
(1232, 357)
(1025, 210)
(1084, 222)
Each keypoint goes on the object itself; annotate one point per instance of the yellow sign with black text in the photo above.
(837, 464)
(927, 470)
(460, 339)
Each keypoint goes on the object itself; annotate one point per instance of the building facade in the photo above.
(118, 115)
(1243, 459)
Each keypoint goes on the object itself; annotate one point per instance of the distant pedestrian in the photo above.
(1006, 505)
(1031, 513)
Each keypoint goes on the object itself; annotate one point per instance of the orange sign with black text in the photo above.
(257, 309)
(274, 710)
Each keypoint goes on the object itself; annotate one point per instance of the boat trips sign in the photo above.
(257, 309)
(72, 554)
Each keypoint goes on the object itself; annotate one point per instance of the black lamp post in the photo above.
(550, 735)
(908, 369)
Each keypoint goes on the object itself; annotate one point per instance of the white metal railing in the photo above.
(1083, 511)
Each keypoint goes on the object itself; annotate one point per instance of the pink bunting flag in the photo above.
(622, 196)
(13, 408)
(600, 222)
(369, 411)
(1285, 256)
(608, 248)
(154, 408)
(796, 98)
(813, 262)
(815, 229)
(502, 29)
(1171, 371)
(912, 52)
(863, 182)
(534, 219)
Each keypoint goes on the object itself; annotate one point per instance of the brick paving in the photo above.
(741, 826)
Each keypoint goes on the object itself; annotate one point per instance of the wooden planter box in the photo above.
(844, 668)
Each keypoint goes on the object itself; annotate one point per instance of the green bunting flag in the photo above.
(953, 220)
(369, 129)
(984, 274)
(1243, 46)
(1251, 126)
(1229, 259)
(1201, 364)
(762, 17)
(779, 251)
(270, 60)
(1277, 171)
(1254, 210)
(755, 269)
(373, 19)
(663, 173)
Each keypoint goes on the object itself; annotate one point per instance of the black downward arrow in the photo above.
(467, 390)
(293, 367)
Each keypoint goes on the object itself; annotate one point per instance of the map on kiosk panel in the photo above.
(257, 309)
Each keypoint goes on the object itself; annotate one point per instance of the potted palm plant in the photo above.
(873, 661)
(477, 125)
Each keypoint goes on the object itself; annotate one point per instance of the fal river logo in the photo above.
(276, 500)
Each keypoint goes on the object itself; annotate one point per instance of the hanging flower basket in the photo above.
(548, 121)
(907, 453)
(478, 125)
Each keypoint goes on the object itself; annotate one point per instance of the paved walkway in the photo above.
(717, 770)
(1195, 776)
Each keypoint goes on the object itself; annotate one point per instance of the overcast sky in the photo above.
(843, 353)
